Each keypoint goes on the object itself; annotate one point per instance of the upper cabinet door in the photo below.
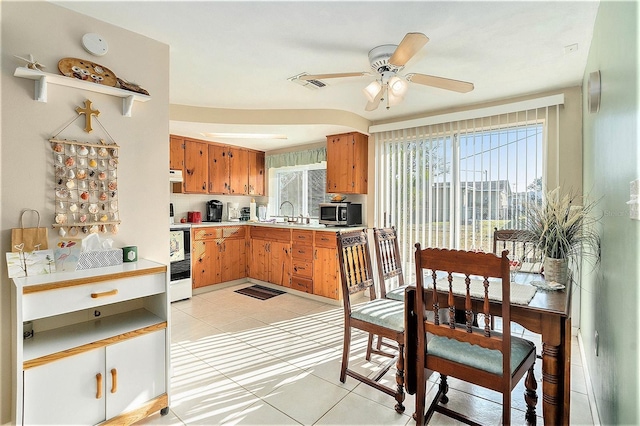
(347, 158)
(196, 174)
(238, 171)
(256, 173)
(219, 169)
(176, 153)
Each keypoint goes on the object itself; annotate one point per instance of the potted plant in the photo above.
(563, 229)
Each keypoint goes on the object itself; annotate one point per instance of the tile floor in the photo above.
(237, 360)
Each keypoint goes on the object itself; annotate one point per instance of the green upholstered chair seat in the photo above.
(478, 357)
(384, 312)
(397, 293)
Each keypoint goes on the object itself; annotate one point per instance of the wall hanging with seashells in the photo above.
(86, 187)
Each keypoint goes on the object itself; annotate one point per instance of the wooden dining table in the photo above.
(548, 314)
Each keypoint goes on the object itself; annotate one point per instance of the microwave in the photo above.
(341, 214)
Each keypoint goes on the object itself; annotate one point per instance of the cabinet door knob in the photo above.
(99, 385)
(114, 380)
(104, 293)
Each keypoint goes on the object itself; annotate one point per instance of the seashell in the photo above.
(92, 173)
(62, 193)
(82, 162)
(112, 173)
(113, 162)
(102, 152)
(103, 196)
(114, 228)
(82, 184)
(113, 185)
(114, 215)
(102, 175)
(57, 147)
(85, 230)
(93, 184)
(71, 174)
(71, 184)
(103, 164)
(60, 205)
(69, 162)
(104, 218)
(60, 158)
(113, 194)
(73, 207)
(92, 151)
(61, 218)
(62, 232)
(60, 171)
(94, 229)
(83, 218)
(82, 174)
(103, 186)
(113, 205)
(84, 195)
(103, 229)
(72, 149)
(93, 163)
(73, 231)
(60, 181)
(83, 150)
(93, 208)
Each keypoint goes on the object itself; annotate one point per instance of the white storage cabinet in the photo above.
(100, 351)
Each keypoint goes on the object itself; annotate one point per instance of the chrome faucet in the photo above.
(292, 209)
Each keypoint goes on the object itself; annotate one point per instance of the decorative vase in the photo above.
(556, 270)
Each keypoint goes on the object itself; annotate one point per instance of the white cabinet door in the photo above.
(66, 391)
(137, 369)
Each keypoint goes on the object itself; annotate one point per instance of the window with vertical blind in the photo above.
(449, 185)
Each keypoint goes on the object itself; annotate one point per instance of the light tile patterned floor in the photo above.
(237, 360)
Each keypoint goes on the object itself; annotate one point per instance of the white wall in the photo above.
(50, 33)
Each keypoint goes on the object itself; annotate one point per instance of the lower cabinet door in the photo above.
(67, 391)
(135, 371)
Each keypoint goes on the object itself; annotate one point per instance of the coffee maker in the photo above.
(214, 211)
(233, 210)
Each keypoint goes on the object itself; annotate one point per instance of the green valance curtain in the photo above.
(296, 158)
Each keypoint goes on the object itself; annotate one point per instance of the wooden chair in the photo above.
(382, 317)
(521, 245)
(389, 263)
(483, 357)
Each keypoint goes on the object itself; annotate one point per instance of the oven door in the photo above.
(180, 254)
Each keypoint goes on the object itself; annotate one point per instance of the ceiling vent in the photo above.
(309, 84)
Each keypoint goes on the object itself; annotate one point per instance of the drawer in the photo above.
(233, 231)
(42, 304)
(302, 268)
(302, 284)
(326, 239)
(208, 233)
(302, 236)
(273, 234)
(302, 251)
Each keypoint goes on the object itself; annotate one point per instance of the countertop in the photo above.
(281, 225)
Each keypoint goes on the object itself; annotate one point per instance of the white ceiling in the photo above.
(239, 54)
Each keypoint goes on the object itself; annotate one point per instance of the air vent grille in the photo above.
(309, 84)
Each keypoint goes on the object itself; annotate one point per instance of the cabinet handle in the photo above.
(315, 254)
(114, 380)
(99, 385)
(245, 189)
(104, 293)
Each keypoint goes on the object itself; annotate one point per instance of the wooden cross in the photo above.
(88, 112)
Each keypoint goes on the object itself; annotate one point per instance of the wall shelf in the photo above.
(42, 79)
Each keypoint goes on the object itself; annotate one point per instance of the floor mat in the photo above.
(259, 292)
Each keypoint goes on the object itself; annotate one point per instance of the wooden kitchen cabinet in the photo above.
(196, 171)
(347, 163)
(270, 255)
(176, 153)
(302, 260)
(218, 169)
(238, 171)
(256, 173)
(326, 275)
(219, 255)
(76, 370)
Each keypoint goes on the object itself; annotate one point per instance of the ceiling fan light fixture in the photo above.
(394, 99)
(372, 90)
(397, 86)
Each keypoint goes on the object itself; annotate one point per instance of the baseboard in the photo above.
(587, 377)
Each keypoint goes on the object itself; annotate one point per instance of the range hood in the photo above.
(175, 175)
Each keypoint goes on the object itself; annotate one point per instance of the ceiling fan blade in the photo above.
(338, 75)
(373, 105)
(440, 82)
(409, 46)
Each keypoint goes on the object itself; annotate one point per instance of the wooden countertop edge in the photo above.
(94, 279)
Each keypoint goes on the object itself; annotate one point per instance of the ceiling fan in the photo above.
(387, 61)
